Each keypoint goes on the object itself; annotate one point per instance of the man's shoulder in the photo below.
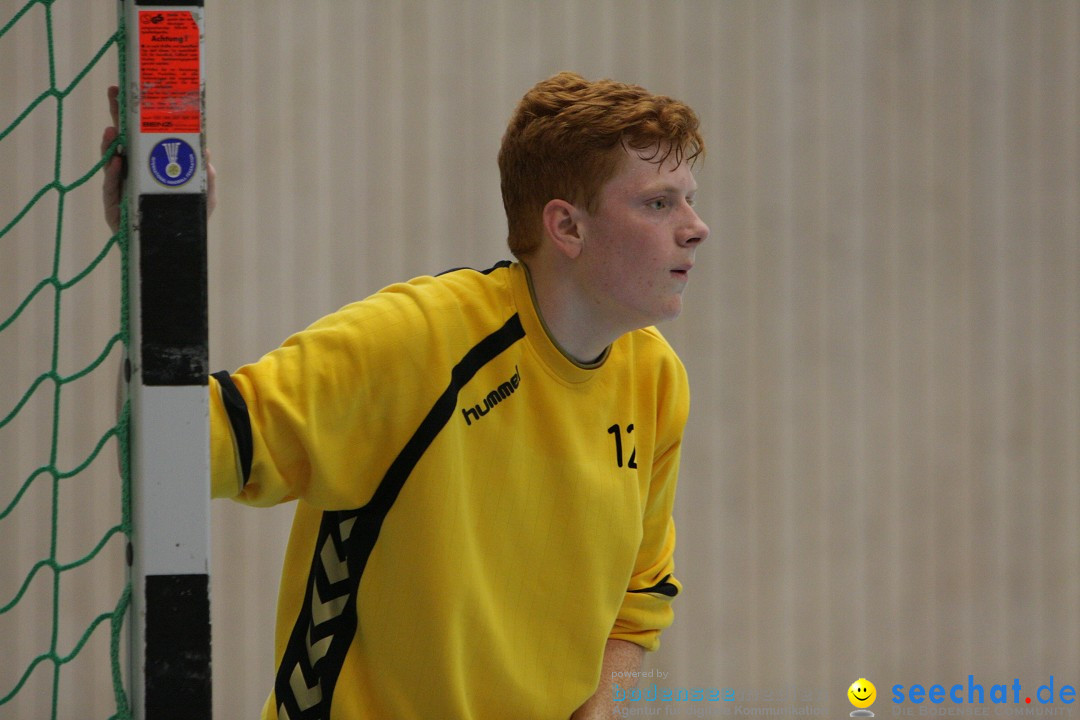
(649, 341)
(459, 285)
(648, 353)
(496, 270)
(649, 363)
(427, 302)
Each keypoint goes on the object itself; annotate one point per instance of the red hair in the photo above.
(567, 137)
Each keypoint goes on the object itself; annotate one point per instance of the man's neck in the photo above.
(565, 315)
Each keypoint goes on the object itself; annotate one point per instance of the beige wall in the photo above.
(882, 466)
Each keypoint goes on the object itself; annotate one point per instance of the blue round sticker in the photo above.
(172, 162)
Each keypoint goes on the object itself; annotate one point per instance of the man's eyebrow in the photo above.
(668, 189)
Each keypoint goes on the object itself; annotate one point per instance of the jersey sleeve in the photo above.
(328, 409)
(647, 605)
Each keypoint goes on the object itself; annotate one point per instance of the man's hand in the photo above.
(112, 187)
(621, 659)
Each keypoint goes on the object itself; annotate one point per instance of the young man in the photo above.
(485, 461)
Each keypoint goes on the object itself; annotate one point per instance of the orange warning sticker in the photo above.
(169, 99)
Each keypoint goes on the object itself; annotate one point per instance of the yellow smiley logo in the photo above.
(862, 693)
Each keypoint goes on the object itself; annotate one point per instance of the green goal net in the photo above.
(64, 482)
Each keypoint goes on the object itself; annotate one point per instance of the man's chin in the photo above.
(669, 315)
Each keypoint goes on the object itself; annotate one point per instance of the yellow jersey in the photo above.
(476, 512)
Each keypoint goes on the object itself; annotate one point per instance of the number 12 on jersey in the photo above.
(617, 432)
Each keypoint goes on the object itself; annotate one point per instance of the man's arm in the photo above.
(621, 657)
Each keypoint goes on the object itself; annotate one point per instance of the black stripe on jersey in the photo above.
(493, 268)
(325, 627)
(661, 588)
(237, 410)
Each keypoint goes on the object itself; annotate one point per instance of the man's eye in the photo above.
(658, 204)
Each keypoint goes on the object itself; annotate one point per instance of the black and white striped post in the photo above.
(167, 374)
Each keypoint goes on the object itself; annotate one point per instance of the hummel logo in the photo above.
(493, 398)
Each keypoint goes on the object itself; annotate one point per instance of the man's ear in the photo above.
(562, 228)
